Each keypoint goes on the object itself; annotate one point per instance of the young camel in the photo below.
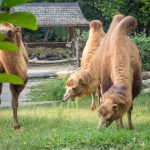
(14, 63)
(121, 79)
(85, 81)
(96, 35)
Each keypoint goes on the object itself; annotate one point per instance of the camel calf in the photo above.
(96, 35)
(14, 63)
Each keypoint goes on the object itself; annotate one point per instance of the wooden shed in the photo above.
(66, 14)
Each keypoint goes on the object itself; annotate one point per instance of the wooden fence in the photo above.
(46, 44)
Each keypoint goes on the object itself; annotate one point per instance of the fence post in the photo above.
(77, 48)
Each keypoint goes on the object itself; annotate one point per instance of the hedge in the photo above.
(143, 44)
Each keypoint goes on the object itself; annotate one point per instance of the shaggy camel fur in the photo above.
(120, 73)
(86, 80)
(14, 63)
(96, 35)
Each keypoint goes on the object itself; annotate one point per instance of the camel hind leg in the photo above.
(0, 91)
(15, 91)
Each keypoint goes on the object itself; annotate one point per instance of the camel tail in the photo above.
(127, 24)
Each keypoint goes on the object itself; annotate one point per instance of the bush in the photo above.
(143, 45)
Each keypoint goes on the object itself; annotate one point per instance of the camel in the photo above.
(14, 63)
(120, 74)
(96, 34)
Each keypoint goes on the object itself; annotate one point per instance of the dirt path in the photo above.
(33, 73)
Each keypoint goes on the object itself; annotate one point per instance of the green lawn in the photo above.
(72, 125)
(52, 90)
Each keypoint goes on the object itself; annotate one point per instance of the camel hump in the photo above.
(118, 17)
(96, 24)
(127, 24)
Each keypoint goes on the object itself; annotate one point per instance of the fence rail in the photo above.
(46, 44)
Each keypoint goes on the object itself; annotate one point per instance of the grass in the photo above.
(72, 125)
(52, 90)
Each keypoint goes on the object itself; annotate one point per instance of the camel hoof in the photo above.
(93, 108)
(17, 126)
(131, 128)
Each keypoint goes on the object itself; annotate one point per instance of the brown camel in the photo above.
(14, 63)
(96, 34)
(120, 73)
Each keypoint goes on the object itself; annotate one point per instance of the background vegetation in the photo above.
(104, 10)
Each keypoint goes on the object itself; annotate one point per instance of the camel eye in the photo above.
(74, 88)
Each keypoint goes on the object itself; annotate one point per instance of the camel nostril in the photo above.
(65, 97)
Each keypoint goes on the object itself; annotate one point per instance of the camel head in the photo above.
(108, 112)
(12, 34)
(76, 85)
(113, 105)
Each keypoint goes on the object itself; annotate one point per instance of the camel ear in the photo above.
(70, 82)
(18, 29)
(82, 81)
(115, 106)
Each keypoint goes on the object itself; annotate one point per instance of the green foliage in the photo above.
(143, 45)
(11, 3)
(25, 20)
(7, 46)
(55, 34)
(10, 78)
(58, 34)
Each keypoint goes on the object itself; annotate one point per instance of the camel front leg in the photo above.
(119, 123)
(93, 106)
(15, 90)
(130, 125)
(99, 93)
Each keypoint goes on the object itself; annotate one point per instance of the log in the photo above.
(145, 75)
(36, 61)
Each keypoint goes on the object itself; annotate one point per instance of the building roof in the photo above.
(54, 14)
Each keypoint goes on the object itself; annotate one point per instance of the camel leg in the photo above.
(129, 118)
(99, 95)
(15, 91)
(119, 123)
(93, 106)
(0, 91)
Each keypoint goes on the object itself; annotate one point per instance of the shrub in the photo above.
(143, 45)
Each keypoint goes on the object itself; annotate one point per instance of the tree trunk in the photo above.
(46, 36)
